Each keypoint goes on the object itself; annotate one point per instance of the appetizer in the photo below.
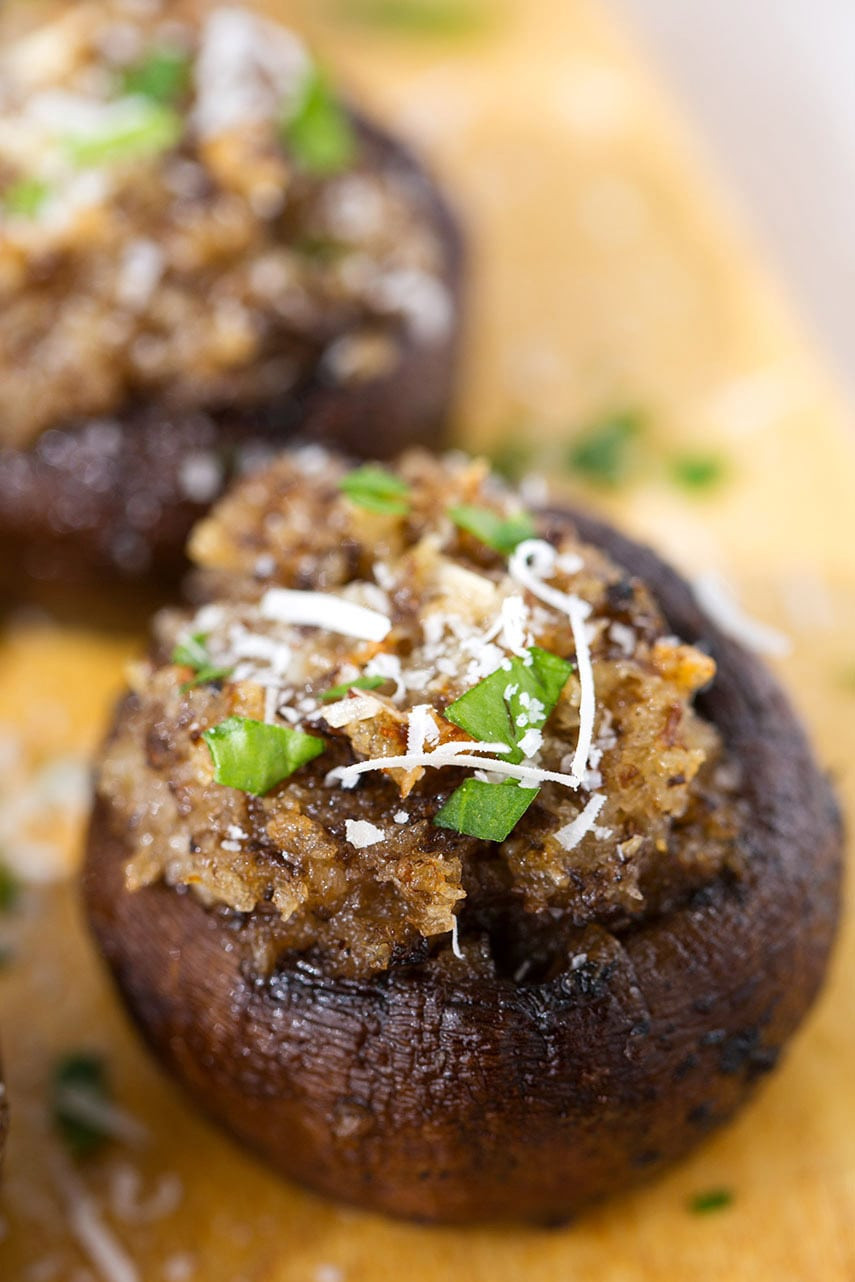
(202, 253)
(448, 853)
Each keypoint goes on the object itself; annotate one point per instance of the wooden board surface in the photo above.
(606, 274)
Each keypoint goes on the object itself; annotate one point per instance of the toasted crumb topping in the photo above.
(390, 636)
(186, 212)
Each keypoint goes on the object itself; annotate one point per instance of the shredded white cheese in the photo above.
(348, 711)
(455, 939)
(321, 610)
(452, 754)
(719, 601)
(103, 1250)
(421, 728)
(532, 561)
(361, 834)
(91, 1110)
(571, 834)
(388, 666)
(246, 67)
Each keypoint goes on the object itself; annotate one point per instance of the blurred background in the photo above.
(771, 86)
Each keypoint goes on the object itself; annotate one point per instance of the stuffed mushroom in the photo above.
(448, 853)
(4, 1117)
(202, 253)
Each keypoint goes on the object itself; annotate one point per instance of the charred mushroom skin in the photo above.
(93, 501)
(468, 1100)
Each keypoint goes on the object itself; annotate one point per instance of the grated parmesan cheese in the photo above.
(421, 728)
(532, 561)
(348, 711)
(718, 599)
(322, 610)
(455, 939)
(456, 753)
(586, 821)
(361, 834)
(100, 1245)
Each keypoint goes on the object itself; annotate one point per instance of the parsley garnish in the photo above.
(142, 128)
(24, 198)
(712, 1200)
(502, 533)
(163, 75)
(419, 17)
(603, 454)
(254, 756)
(193, 653)
(376, 490)
(10, 889)
(522, 691)
(698, 471)
(318, 132)
(361, 683)
(490, 811)
(80, 1079)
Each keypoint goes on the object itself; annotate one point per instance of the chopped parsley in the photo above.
(512, 457)
(415, 17)
(139, 128)
(361, 683)
(489, 811)
(377, 490)
(163, 75)
(80, 1088)
(698, 471)
(318, 131)
(604, 453)
(193, 653)
(517, 698)
(254, 756)
(502, 533)
(711, 1200)
(10, 889)
(25, 198)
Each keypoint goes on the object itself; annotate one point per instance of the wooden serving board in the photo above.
(605, 274)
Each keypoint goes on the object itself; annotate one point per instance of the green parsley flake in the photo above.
(254, 756)
(416, 17)
(80, 1088)
(519, 697)
(10, 889)
(502, 533)
(711, 1200)
(318, 132)
(193, 653)
(141, 128)
(604, 453)
(489, 811)
(512, 457)
(376, 490)
(25, 198)
(361, 683)
(698, 471)
(163, 75)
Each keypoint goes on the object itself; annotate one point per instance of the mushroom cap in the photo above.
(438, 1098)
(67, 503)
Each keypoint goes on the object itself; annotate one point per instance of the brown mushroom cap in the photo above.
(436, 1098)
(72, 510)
